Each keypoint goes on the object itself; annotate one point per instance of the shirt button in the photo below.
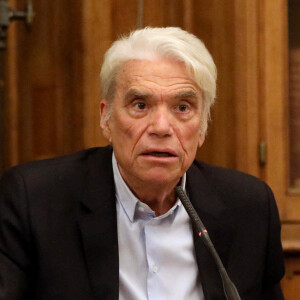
(141, 208)
(155, 269)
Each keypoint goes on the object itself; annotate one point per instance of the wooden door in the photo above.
(43, 111)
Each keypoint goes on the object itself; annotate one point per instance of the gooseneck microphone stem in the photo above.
(230, 290)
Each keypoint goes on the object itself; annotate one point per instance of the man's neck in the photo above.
(159, 198)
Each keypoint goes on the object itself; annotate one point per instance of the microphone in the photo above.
(230, 290)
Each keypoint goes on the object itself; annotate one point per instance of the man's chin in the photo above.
(161, 177)
(159, 160)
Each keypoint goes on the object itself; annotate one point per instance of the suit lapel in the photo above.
(212, 212)
(98, 227)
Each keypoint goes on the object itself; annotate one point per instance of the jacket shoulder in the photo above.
(229, 183)
(62, 164)
(51, 178)
(223, 174)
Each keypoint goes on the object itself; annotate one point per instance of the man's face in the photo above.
(155, 121)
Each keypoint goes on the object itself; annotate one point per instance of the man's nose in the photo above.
(161, 122)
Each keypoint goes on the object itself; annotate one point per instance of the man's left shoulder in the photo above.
(225, 181)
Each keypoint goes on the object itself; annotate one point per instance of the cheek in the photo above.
(121, 126)
(127, 131)
(191, 134)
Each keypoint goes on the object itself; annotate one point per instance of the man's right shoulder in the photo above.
(64, 168)
(65, 162)
(57, 180)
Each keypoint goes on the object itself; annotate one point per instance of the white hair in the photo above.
(170, 42)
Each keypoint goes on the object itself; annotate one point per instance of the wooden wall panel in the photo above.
(246, 86)
(124, 18)
(214, 24)
(274, 94)
(291, 282)
(164, 13)
(96, 35)
(44, 99)
(274, 116)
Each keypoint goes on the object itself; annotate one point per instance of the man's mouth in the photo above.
(160, 154)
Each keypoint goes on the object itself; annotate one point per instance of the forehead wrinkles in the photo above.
(161, 73)
(169, 84)
(163, 80)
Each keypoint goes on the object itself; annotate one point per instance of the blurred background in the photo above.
(50, 58)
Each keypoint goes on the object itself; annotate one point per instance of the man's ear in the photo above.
(201, 139)
(104, 123)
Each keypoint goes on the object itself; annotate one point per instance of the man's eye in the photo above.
(140, 105)
(182, 108)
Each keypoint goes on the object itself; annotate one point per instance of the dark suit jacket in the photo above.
(58, 232)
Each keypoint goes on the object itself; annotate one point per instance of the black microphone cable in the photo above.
(230, 290)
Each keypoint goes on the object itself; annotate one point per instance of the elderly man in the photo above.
(105, 223)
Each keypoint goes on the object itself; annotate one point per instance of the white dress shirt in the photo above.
(156, 254)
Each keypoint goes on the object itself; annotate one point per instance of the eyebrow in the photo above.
(186, 94)
(134, 93)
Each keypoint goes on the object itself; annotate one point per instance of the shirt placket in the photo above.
(152, 260)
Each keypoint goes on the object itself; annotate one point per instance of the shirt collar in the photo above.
(132, 206)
